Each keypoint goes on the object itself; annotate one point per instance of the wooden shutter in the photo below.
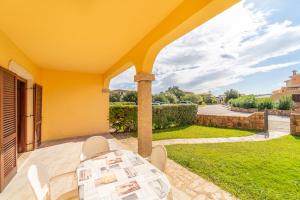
(8, 127)
(37, 105)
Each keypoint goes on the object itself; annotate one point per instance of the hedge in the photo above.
(264, 103)
(122, 103)
(123, 118)
(284, 103)
(244, 102)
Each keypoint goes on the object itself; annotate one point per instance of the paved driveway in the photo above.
(276, 123)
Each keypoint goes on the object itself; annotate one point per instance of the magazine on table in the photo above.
(127, 188)
(114, 161)
(159, 187)
(84, 175)
(130, 172)
(108, 178)
(132, 196)
(135, 160)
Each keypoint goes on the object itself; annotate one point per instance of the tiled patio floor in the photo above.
(63, 156)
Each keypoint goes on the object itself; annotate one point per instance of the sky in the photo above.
(252, 47)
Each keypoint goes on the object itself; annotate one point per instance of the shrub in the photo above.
(122, 103)
(115, 97)
(244, 102)
(160, 97)
(231, 94)
(265, 103)
(130, 96)
(123, 118)
(167, 116)
(196, 99)
(285, 103)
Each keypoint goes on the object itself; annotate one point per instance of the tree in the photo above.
(209, 98)
(115, 97)
(160, 97)
(130, 97)
(171, 97)
(192, 98)
(176, 91)
(231, 94)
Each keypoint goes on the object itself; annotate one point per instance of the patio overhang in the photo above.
(74, 48)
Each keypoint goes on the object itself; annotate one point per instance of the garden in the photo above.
(172, 121)
(248, 170)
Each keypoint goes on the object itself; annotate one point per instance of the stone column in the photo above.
(144, 81)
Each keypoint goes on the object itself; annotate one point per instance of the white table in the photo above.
(121, 175)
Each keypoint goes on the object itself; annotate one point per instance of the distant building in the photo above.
(292, 86)
(120, 91)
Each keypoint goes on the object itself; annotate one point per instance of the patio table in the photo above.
(121, 175)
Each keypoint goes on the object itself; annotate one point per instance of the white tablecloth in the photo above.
(121, 175)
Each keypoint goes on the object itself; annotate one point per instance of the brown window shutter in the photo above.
(8, 127)
(37, 106)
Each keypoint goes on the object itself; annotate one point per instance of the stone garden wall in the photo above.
(256, 121)
(270, 111)
(295, 124)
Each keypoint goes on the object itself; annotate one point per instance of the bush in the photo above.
(167, 116)
(122, 103)
(244, 102)
(265, 103)
(123, 118)
(231, 94)
(130, 96)
(285, 103)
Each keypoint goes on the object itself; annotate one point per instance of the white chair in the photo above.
(40, 183)
(94, 146)
(159, 157)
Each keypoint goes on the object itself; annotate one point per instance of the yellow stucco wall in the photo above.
(8, 52)
(73, 104)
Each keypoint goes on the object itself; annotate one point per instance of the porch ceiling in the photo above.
(80, 35)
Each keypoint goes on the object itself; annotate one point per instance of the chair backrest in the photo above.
(39, 181)
(159, 157)
(93, 146)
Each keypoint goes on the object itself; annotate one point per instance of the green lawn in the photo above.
(249, 170)
(195, 131)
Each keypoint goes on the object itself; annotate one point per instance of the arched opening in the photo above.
(122, 88)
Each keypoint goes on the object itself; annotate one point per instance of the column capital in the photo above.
(143, 76)
(105, 90)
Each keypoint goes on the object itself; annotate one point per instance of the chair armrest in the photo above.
(70, 183)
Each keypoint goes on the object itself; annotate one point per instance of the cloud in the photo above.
(225, 50)
(124, 80)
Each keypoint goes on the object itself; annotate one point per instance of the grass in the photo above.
(195, 131)
(249, 170)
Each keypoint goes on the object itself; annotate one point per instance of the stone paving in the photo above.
(252, 138)
(59, 156)
(186, 185)
(63, 155)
